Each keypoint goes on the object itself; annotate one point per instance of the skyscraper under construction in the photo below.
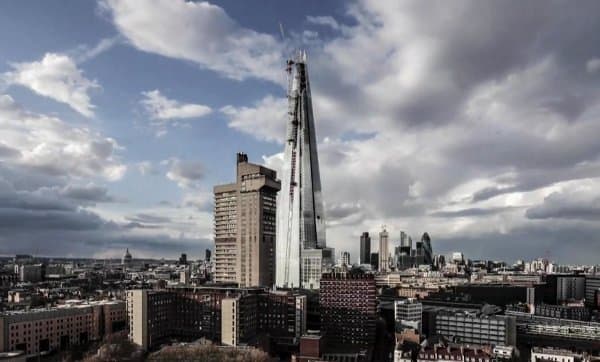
(301, 248)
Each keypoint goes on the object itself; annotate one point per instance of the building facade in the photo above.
(365, 249)
(186, 313)
(384, 253)
(30, 273)
(562, 288)
(564, 333)
(225, 214)
(442, 354)
(42, 330)
(348, 308)
(374, 261)
(282, 315)
(301, 217)
(539, 354)
(424, 251)
(475, 328)
(575, 312)
(245, 219)
(149, 314)
(127, 259)
(227, 315)
(314, 262)
(592, 291)
(239, 320)
(408, 314)
(345, 258)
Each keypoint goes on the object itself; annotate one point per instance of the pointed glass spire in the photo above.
(301, 219)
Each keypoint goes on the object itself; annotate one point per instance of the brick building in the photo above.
(47, 329)
(228, 315)
(348, 308)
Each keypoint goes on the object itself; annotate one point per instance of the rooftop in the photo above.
(69, 304)
(555, 351)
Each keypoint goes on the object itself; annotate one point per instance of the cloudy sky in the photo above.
(476, 121)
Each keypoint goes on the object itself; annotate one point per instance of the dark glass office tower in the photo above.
(365, 248)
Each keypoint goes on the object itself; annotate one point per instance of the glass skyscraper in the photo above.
(301, 219)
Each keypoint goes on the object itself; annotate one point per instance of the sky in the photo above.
(476, 121)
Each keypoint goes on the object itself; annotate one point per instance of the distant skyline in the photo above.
(474, 121)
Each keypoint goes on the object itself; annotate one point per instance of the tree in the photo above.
(117, 347)
(207, 353)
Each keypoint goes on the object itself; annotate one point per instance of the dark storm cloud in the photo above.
(138, 225)
(149, 218)
(103, 148)
(202, 203)
(501, 35)
(516, 149)
(560, 205)
(570, 106)
(506, 93)
(556, 240)
(20, 219)
(90, 192)
(372, 192)
(500, 92)
(475, 42)
(30, 200)
(108, 241)
(49, 218)
(489, 192)
(8, 152)
(51, 221)
(341, 211)
(54, 197)
(186, 173)
(157, 242)
(41, 209)
(589, 212)
(532, 179)
(25, 179)
(472, 212)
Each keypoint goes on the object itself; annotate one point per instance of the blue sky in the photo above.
(118, 117)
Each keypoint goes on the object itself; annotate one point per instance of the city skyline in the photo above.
(477, 128)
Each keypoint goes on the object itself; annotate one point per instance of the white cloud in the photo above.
(265, 120)
(593, 65)
(274, 162)
(146, 168)
(578, 201)
(442, 108)
(324, 20)
(85, 53)
(199, 32)
(201, 200)
(161, 108)
(186, 174)
(419, 109)
(185, 221)
(86, 193)
(56, 76)
(51, 146)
